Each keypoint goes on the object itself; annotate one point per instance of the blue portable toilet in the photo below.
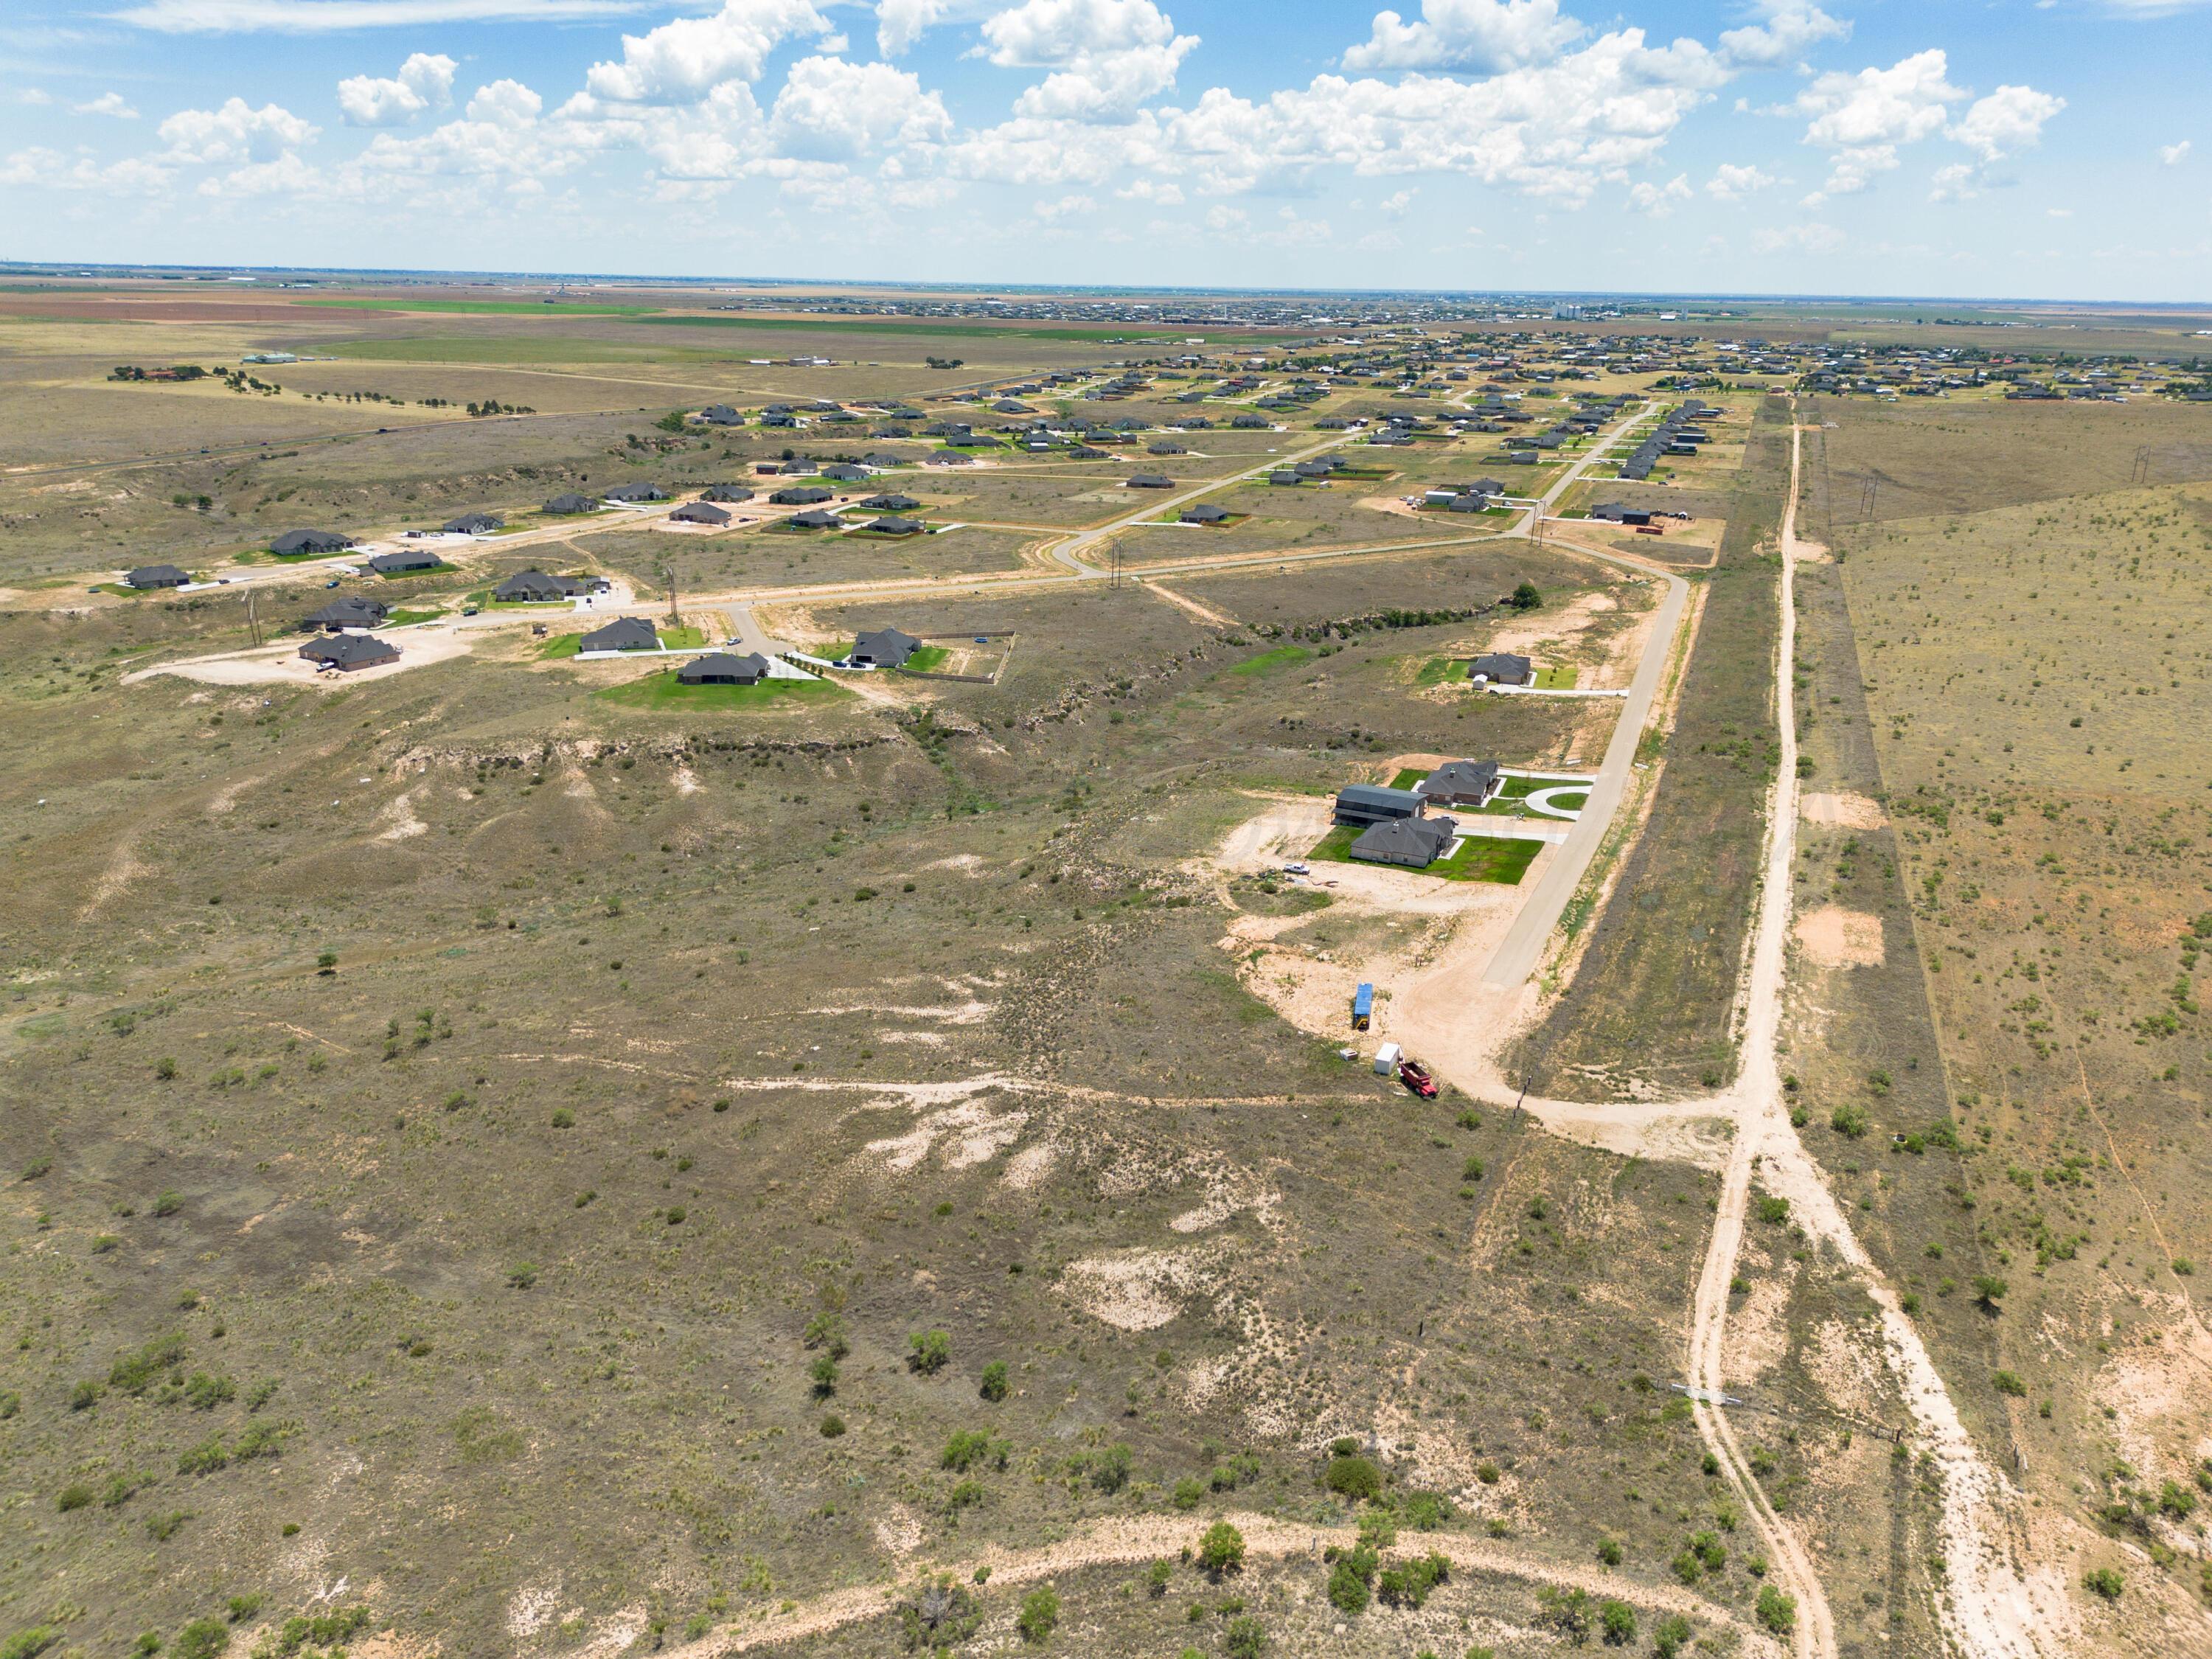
(1363, 1007)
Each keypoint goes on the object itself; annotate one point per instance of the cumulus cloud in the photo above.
(681, 60)
(1812, 238)
(833, 110)
(901, 23)
(235, 135)
(505, 103)
(323, 16)
(2171, 155)
(1659, 200)
(108, 103)
(2011, 119)
(1105, 55)
(1464, 34)
(1053, 212)
(1732, 183)
(1954, 183)
(1907, 102)
(49, 169)
(425, 82)
(1786, 28)
(1151, 189)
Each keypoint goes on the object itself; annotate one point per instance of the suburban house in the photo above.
(883, 648)
(1502, 668)
(637, 492)
(536, 585)
(407, 563)
(623, 634)
(699, 512)
(1413, 843)
(1150, 481)
(1284, 475)
(845, 472)
(1618, 513)
(350, 651)
(295, 541)
(1462, 783)
(1372, 803)
(889, 501)
(348, 610)
(799, 495)
(1206, 513)
(721, 668)
(156, 575)
(722, 414)
(472, 524)
(561, 505)
(892, 525)
(1164, 447)
(731, 494)
(814, 518)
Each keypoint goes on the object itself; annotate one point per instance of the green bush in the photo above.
(2008, 1383)
(1158, 1576)
(1039, 1614)
(969, 1447)
(1777, 1609)
(1848, 1121)
(74, 1496)
(1221, 1549)
(1408, 1583)
(1347, 1583)
(1353, 1477)
(1245, 1638)
(203, 1638)
(994, 1386)
(203, 1459)
(162, 1528)
(1189, 1493)
(832, 1427)
(134, 1372)
(1616, 1620)
(2107, 1582)
(29, 1643)
(1670, 1636)
(928, 1352)
(1425, 1511)
(826, 1330)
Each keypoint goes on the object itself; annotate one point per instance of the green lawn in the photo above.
(662, 695)
(487, 307)
(1479, 858)
(1437, 670)
(401, 619)
(567, 645)
(1506, 803)
(928, 657)
(1558, 679)
(1283, 656)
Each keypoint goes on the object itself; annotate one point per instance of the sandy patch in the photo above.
(1138, 1289)
(965, 1135)
(686, 781)
(1847, 1372)
(899, 1531)
(1030, 1165)
(122, 869)
(1835, 937)
(532, 1607)
(283, 666)
(1845, 812)
(1758, 1337)
(399, 821)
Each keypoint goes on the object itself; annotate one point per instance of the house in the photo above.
(1284, 475)
(536, 585)
(1502, 668)
(407, 563)
(799, 495)
(1150, 481)
(1249, 423)
(1164, 447)
(147, 576)
(814, 518)
(1371, 803)
(883, 648)
(637, 492)
(729, 493)
(293, 543)
(348, 610)
(1618, 513)
(722, 414)
(721, 668)
(1413, 843)
(895, 525)
(562, 505)
(882, 460)
(623, 634)
(845, 472)
(347, 651)
(889, 501)
(1206, 513)
(472, 524)
(1462, 783)
(699, 512)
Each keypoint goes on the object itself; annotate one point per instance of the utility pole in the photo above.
(668, 579)
(253, 617)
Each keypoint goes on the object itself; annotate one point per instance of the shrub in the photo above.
(522, 1275)
(1772, 1209)
(826, 1330)
(1347, 1583)
(1849, 1121)
(1188, 1492)
(563, 1118)
(1221, 1549)
(205, 1393)
(2106, 1581)
(969, 1447)
(1609, 1552)
(994, 1386)
(162, 1528)
(1566, 1612)
(203, 1459)
(2008, 1383)
(832, 1427)
(1039, 1614)
(965, 1495)
(1425, 1511)
(824, 1371)
(242, 1607)
(1408, 1583)
(73, 1496)
(1617, 1621)
(30, 1643)
(203, 1638)
(928, 1352)
(1670, 1636)
(1245, 1638)
(1156, 1577)
(1777, 1609)
(1353, 1477)
(1109, 1469)
(134, 1372)
(1988, 1290)
(168, 1203)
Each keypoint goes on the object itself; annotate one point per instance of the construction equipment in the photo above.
(1416, 1077)
(1363, 1007)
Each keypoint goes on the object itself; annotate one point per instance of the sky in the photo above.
(2010, 149)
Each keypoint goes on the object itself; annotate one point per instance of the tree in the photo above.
(929, 1351)
(671, 421)
(1245, 1638)
(824, 1373)
(1526, 598)
(1354, 1478)
(994, 1388)
(1617, 1620)
(1777, 1610)
(1039, 1614)
(1221, 1549)
(1670, 1636)
(1988, 1290)
(203, 1638)
(826, 1330)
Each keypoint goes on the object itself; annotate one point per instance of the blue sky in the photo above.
(2020, 148)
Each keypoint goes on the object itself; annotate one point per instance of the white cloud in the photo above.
(1732, 183)
(1052, 212)
(2171, 154)
(50, 169)
(833, 110)
(1394, 206)
(324, 16)
(236, 134)
(108, 103)
(284, 175)
(901, 23)
(425, 81)
(681, 60)
(38, 96)
(1907, 102)
(1953, 183)
(505, 103)
(1106, 56)
(2059, 213)
(1789, 26)
(1151, 189)
(2011, 119)
(1812, 238)
(1659, 200)
(1482, 34)
(1219, 218)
